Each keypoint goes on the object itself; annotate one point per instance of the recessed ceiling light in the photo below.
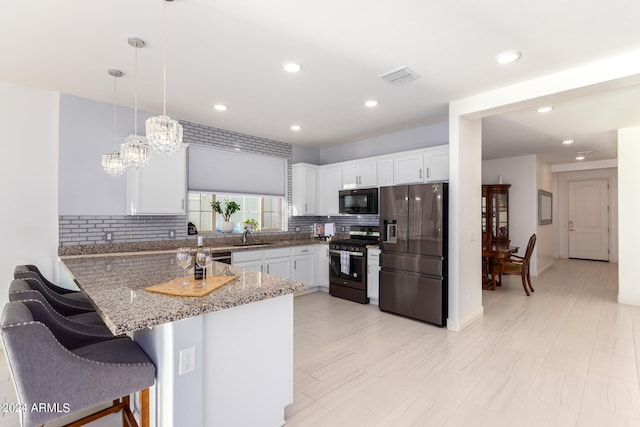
(220, 107)
(292, 67)
(371, 103)
(508, 57)
(567, 141)
(545, 109)
(296, 128)
(580, 158)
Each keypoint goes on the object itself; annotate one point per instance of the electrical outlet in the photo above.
(172, 233)
(187, 360)
(108, 237)
(297, 228)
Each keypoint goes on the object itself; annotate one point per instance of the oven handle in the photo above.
(333, 251)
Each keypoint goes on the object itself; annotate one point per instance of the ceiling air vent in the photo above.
(399, 76)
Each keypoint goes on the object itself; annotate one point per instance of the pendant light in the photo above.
(112, 162)
(163, 133)
(135, 150)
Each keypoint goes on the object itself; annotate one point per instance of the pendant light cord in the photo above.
(164, 59)
(135, 91)
(115, 112)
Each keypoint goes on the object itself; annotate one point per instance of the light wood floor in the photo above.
(565, 356)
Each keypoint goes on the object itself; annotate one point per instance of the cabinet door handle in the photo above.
(420, 173)
(267, 268)
(295, 265)
(261, 269)
(182, 204)
(305, 207)
(427, 172)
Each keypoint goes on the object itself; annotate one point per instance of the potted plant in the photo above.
(230, 207)
(250, 224)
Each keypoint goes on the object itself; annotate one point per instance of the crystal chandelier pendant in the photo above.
(113, 164)
(164, 134)
(135, 151)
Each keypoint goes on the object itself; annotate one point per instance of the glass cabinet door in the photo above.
(495, 211)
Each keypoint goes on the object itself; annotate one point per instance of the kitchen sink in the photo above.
(250, 245)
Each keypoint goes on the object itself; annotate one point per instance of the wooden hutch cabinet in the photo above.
(495, 211)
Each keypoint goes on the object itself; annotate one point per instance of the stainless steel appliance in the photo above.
(348, 263)
(361, 201)
(413, 259)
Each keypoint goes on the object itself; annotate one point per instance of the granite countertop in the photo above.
(225, 244)
(115, 285)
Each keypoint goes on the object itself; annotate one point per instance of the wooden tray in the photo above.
(193, 289)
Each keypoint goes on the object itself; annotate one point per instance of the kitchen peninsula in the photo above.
(242, 334)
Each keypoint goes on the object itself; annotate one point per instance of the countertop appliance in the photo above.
(413, 259)
(360, 201)
(348, 263)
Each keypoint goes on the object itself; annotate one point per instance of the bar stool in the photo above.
(90, 323)
(60, 373)
(31, 269)
(66, 304)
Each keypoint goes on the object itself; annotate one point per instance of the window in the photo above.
(268, 211)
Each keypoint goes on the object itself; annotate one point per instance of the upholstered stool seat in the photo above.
(55, 366)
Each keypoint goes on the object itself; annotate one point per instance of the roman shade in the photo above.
(219, 171)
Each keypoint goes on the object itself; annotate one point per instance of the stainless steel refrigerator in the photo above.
(413, 260)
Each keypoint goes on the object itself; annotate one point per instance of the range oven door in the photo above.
(357, 277)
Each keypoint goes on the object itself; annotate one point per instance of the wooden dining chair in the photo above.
(515, 265)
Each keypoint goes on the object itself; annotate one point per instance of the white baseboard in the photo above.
(457, 325)
(629, 301)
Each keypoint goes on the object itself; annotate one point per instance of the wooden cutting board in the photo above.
(193, 289)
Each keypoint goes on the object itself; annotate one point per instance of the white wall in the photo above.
(464, 185)
(29, 181)
(86, 133)
(546, 243)
(410, 139)
(629, 212)
(521, 173)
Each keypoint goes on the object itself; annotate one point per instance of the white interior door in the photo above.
(589, 219)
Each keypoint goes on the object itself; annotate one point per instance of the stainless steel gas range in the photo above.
(348, 263)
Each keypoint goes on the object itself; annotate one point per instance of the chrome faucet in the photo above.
(247, 230)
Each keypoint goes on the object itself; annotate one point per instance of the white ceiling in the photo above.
(232, 52)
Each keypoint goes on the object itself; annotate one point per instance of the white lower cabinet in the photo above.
(308, 263)
(322, 267)
(373, 275)
(277, 262)
(251, 260)
(303, 264)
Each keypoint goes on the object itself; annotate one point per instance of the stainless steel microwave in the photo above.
(361, 201)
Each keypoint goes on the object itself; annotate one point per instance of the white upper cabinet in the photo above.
(315, 188)
(303, 194)
(436, 162)
(160, 187)
(429, 165)
(385, 172)
(360, 174)
(408, 169)
(329, 183)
